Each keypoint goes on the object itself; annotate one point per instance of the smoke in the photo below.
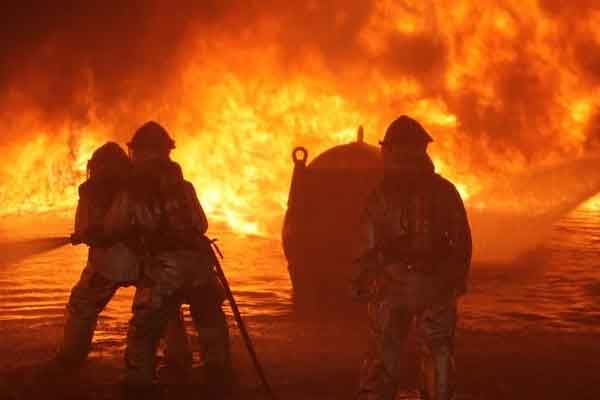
(84, 60)
(503, 88)
(593, 133)
(87, 61)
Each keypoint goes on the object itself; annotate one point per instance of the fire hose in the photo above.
(238, 317)
(17, 251)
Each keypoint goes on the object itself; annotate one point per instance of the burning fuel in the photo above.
(509, 90)
(506, 88)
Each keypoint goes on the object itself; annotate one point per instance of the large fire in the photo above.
(503, 88)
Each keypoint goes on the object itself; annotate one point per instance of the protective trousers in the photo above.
(390, 325)
(151, 309)
(88, 298)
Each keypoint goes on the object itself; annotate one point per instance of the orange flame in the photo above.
(492, 83)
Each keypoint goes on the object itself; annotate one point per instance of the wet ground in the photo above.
(528, 330)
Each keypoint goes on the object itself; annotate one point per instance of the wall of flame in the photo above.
(503, 86)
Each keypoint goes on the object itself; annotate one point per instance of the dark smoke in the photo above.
(593, 133)
(68, 61)
(587, 53)
(120, 62)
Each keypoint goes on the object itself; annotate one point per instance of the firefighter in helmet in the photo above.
(415, 262)
(112, 262)
(171, 223)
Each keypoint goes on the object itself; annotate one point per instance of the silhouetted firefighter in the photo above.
(164, 211)
(416, 258)
(112, 261)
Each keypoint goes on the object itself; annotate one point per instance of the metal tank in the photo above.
(320, 230)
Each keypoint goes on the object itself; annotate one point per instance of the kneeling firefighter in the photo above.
(415, 262)
(112, 262)
(177, 268)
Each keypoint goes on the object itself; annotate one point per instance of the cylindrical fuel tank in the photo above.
(321, 227)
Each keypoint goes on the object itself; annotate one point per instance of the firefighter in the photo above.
(416, 258)
(171, 223)
(112, 261)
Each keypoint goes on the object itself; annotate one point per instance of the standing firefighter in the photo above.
(112, 261)
(171, 223)
(415, 262)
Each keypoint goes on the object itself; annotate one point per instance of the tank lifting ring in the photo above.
(300, 155)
